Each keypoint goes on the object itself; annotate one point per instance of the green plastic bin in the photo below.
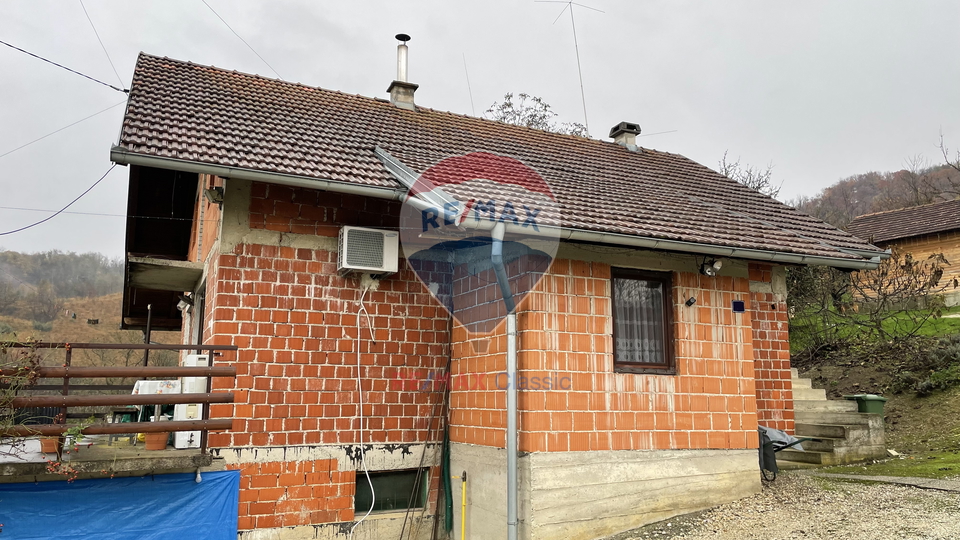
(868, 403)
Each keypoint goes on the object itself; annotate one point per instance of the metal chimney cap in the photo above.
(402, 37)
(624, 128)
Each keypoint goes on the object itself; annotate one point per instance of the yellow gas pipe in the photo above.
(463, 505)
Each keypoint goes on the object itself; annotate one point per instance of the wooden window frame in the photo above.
(669, 366)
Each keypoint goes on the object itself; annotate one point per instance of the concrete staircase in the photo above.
(840, 433)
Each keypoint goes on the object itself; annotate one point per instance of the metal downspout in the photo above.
(496, 257)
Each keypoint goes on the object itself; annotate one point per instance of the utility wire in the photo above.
(108, 85)
(99, 214)
(241, 39)
(58, 212)
(102, 46)
(61, 129)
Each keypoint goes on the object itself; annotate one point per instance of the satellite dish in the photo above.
(402, 37)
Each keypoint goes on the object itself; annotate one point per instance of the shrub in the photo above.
(42, 326)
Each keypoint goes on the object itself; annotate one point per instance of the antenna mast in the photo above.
(576, 45)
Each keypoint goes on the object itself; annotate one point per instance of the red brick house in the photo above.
(261, 175)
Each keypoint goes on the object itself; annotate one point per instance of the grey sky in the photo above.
(822, 90)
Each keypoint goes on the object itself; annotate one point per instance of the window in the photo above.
(395, 490)
(642, 321)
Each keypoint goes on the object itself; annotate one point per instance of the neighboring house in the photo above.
(261, 175)
(921, 231)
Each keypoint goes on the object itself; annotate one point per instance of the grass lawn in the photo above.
(933, 465)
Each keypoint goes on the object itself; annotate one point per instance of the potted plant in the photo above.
(156, 440)
(48, 445)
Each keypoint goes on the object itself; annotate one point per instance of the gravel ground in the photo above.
(798, 507)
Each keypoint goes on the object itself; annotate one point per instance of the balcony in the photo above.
(91, 416)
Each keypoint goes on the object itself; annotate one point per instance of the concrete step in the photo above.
(830, 405)
(835, 418)
(824, 444)
(787, 465)
(820, 430)
(810, 394)
(794, 373)
(804, 457)
(802, 383)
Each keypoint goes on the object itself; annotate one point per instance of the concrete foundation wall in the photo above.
(587, 495)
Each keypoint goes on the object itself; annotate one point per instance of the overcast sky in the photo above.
(822, 90)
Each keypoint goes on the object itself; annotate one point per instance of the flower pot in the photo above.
(156, 441)
(48, 445)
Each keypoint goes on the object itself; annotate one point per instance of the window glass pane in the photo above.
(639, 321)
(395, 490)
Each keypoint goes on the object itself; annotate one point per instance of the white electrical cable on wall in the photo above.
(367, 283)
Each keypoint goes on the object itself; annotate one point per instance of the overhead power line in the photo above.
(108, 85)
(241, 39)
(100, 214)
(58, 212)
(102, 46)
(61, 129)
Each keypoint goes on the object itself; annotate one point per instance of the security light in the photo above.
(711, 267)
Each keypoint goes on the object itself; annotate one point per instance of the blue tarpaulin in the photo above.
(159, 507)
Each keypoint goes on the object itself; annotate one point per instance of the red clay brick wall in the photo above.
(566, 334)
(309, 211)
(771, 349)
(295, 322)
(284, 494)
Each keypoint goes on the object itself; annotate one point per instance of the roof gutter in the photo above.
(870, 261)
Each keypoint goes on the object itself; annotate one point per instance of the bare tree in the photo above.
(9, 295)
(915, 185)
(754, 178)
(44, 304)
(952, 162)
(533, 112)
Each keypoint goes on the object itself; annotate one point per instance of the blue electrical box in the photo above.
(738, 306)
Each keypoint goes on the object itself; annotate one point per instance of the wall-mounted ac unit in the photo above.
(371, 251)
(190, 411)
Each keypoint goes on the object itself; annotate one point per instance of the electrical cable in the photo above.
(98, 214)
(241, 39)
(443, 402)
(108, 85)
(363, 454)
(8, 152)
(102, 46)
(58, 212)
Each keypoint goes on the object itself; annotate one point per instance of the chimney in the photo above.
(401, 91)
(625, 134)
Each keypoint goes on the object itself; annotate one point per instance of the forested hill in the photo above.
(33, 285)
(876, 192)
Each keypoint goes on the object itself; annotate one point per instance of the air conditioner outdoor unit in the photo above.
(190, 411)
(368, 250)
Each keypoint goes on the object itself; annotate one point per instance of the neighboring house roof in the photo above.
(907, 222)
(191, 114)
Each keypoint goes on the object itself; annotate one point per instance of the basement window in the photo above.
(642, 321)
(394, 490)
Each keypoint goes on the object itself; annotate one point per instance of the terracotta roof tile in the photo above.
(203, 114)
(907, 222)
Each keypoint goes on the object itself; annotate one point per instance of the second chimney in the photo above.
(625, 134)
(401, 91)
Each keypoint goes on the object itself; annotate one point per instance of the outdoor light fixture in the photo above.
(185, 304)
(711, 267)
(690, 301)
(214, 195)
